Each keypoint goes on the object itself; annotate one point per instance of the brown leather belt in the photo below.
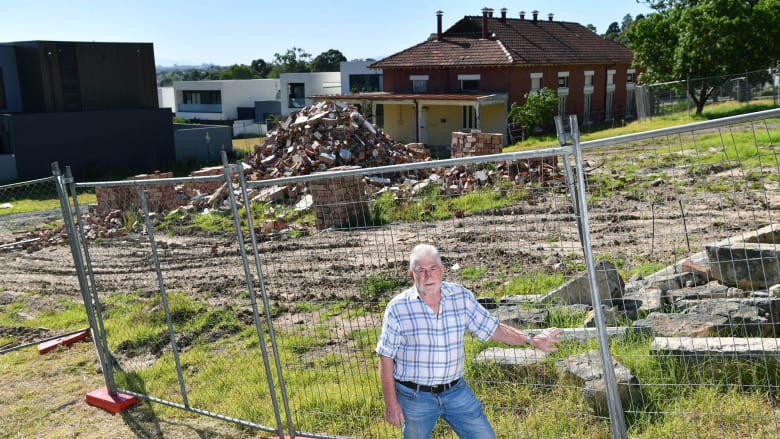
(430, 389)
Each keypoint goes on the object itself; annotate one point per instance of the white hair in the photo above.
(421, 250)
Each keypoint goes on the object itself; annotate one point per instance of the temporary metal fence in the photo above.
(259, 302)
(27, 210)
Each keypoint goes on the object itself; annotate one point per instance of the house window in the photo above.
(586, 109)
(3, 104)
(536, 81)
(469, 82)
(297, 94)
(610, 77)
(630, 76)
(468, 117)
(470, 85)
(419, 83)
(562, 105)
(629, 103)
(206, 97)
(589, 78)
(563, 79)
(365, 83)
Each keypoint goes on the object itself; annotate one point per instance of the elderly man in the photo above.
(422, 356)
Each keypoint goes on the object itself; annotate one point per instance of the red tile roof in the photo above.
(512, 41)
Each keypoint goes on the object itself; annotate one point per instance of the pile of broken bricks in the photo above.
(327, 135)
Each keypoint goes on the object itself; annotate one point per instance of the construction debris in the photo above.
(326, 135)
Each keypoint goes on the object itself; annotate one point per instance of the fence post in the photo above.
(99, 333)
(264, 295)
(616, 415)
(161, 284)
(253, 295)
(75, 250)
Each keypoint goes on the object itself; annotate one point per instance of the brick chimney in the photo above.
(438, 25)
(522, 15)
(550, 16)
(535, 14)
(485, 23)
(503, 14)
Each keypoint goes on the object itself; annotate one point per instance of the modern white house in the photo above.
(357, 77)
(297, 87)
(223, 99)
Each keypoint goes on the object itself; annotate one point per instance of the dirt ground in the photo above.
(328, 264)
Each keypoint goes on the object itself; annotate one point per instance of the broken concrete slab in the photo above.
(705, 348)
(587, 370)
(749, 261)
(609, 283)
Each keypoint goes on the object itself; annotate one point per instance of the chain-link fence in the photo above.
(274, 327)
(753, 87)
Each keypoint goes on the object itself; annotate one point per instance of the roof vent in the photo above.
(503, 14)
(522, 15)
(535, 14)
(550, 16)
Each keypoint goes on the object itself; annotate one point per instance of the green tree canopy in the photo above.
(294, 60)
(238, 71)
(261, 68)
(705, 39)
(328, 61)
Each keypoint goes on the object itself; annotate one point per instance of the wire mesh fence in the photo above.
(260, 302)
(30, 225)
(750, 88)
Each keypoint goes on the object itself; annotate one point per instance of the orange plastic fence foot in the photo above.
(62, 341)
(113, 404)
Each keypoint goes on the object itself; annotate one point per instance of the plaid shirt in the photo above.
(429, 349)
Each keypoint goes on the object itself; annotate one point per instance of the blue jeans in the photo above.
(457, 405)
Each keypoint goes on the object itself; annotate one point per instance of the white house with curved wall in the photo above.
(222, 99)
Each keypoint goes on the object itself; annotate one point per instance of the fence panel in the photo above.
(277, 325)
(176, 309)
(689, 214)
(30, 227)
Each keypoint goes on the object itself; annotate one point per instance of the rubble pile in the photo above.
(326, 135)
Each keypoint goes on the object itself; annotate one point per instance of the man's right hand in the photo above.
(394, 415)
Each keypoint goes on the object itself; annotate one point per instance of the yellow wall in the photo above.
(400, 123)
(493, 120)
(442, 121)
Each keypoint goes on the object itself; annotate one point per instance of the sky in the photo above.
(230, 32)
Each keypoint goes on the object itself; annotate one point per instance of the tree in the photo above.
(237, 71)
(328, 61)
(261, 68)
(538, 110)
(612, 31)
(705, 39)
(591, 28)
(294, 60)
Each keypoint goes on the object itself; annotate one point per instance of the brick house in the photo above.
(468, 76)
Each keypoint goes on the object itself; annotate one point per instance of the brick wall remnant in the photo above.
(476, 143)
(340, 201)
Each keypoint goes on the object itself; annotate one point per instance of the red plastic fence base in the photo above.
(62, 341)
(113, 404)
